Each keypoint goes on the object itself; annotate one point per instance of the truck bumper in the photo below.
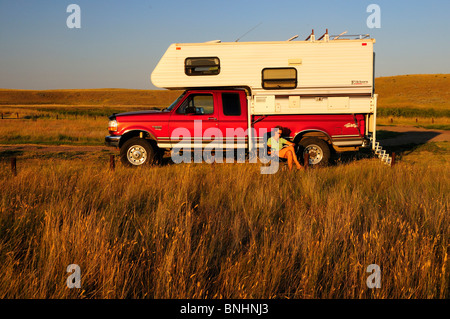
(112, 140)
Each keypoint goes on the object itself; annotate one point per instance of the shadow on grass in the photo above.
(410, 137)
(10, 153)
(399, 150)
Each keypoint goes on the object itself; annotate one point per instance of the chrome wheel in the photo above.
(137, 152)
(315, 153)
(317, 149)
(137, 155)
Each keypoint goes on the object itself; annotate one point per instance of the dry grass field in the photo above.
(216, 231)
(414, 91)
(98, 97)
(418, 99)
(176, 231)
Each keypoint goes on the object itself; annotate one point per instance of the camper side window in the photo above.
(279, 78)
(202, 66)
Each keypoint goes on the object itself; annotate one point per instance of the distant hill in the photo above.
(424, 91)
(414, 91)
(97, 97)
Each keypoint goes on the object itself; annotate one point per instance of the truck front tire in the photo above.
(137, 152)
(319, 151)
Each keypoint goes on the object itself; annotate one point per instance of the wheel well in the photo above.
(318, 134)
(141, 134)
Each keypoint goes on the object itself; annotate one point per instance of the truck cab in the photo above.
(196, 119)
(218, 118)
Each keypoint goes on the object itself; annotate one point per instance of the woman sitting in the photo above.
(282, 148)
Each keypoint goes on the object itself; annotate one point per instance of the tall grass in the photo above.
(224, 231)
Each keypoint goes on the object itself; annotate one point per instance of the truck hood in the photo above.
(148, 112)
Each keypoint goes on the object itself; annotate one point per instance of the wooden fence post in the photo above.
(13, 166)
(393, 159)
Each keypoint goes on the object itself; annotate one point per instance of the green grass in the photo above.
(91, 112)
(51, 112)
(411, 112)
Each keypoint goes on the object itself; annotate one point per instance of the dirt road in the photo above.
(53, 148)
(409, 135)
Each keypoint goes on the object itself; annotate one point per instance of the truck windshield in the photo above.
(170, 108)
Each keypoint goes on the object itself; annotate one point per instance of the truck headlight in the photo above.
(112, 125)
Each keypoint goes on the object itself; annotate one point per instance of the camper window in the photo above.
(279, 78)
(202, 66)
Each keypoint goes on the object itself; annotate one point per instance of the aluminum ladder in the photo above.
(380, 152)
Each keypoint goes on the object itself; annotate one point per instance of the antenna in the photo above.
(294, 37)
(248, 32)
(336, 37)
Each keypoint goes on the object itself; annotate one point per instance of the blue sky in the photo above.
(120, 42)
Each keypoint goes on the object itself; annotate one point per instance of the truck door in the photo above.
(195, 114)
(233, 118)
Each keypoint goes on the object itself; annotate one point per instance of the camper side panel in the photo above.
(322, 67)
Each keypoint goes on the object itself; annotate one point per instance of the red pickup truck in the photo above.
(219, 117)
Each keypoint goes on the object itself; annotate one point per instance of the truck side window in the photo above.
(279, 78)
(204, 103)
(231, 103)
(202, 66)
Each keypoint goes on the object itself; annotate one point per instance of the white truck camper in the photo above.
(330, 75)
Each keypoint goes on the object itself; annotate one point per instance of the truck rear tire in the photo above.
(137, 152)
(319, 151)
